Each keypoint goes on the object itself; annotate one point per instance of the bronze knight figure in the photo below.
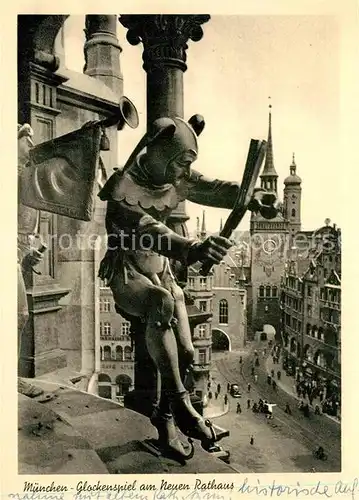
(140, 197)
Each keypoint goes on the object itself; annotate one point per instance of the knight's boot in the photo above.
(191, 423)
(168, 440)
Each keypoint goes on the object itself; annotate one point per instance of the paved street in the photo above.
(282, 444)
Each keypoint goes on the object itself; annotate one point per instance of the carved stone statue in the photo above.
(140, 197)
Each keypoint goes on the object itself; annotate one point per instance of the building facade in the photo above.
(229, 322)
(200, 289)
(117, 364)
(311, 316)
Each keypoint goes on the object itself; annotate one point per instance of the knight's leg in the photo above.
(161, 341)
(139, 297)
(187, 418)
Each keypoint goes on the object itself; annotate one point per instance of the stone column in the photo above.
(102, 51)
(164, 39)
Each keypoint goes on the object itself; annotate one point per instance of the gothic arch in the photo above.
(103, 377)
(37, 33)
(220, 340)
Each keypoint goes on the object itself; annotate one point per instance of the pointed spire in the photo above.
(293, 167)
(203, 229)
(269, 175)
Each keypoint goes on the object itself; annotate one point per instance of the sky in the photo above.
(232, 71)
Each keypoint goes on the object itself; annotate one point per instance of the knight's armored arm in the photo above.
(212, 192)
(143, 232)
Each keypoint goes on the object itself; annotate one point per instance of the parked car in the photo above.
(234, 391)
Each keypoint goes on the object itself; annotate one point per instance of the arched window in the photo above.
(107, 353)
(261, 291)
(128, 353)
(223, 311)
(268, 291)
(293, 212)
(104, 386)
(123, 383)
(274, 291)
(119, 353)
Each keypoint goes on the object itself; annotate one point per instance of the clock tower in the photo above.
(269, 244)
(292, 199)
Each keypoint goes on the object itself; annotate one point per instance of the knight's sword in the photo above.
(256, 153)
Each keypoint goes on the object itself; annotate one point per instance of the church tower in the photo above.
(269, 242)
(269, 177)
(292, 199)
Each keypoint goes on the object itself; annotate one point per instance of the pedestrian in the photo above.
(269, 380)
(252, 371)
(225, 399)
(209, 385)
(210, 395)
(239, 409)
(257, 362)
(317, 410)
(287, 409)
(248, 404)
(274, 385)
(272, 373)
(240, 360)
(219, 388)
(252, 440)
(279, 374)
(228, 387)
(249, 387)
(216, 395)
(255, 378)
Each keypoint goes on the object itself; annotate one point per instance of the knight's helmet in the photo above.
(166, 139)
